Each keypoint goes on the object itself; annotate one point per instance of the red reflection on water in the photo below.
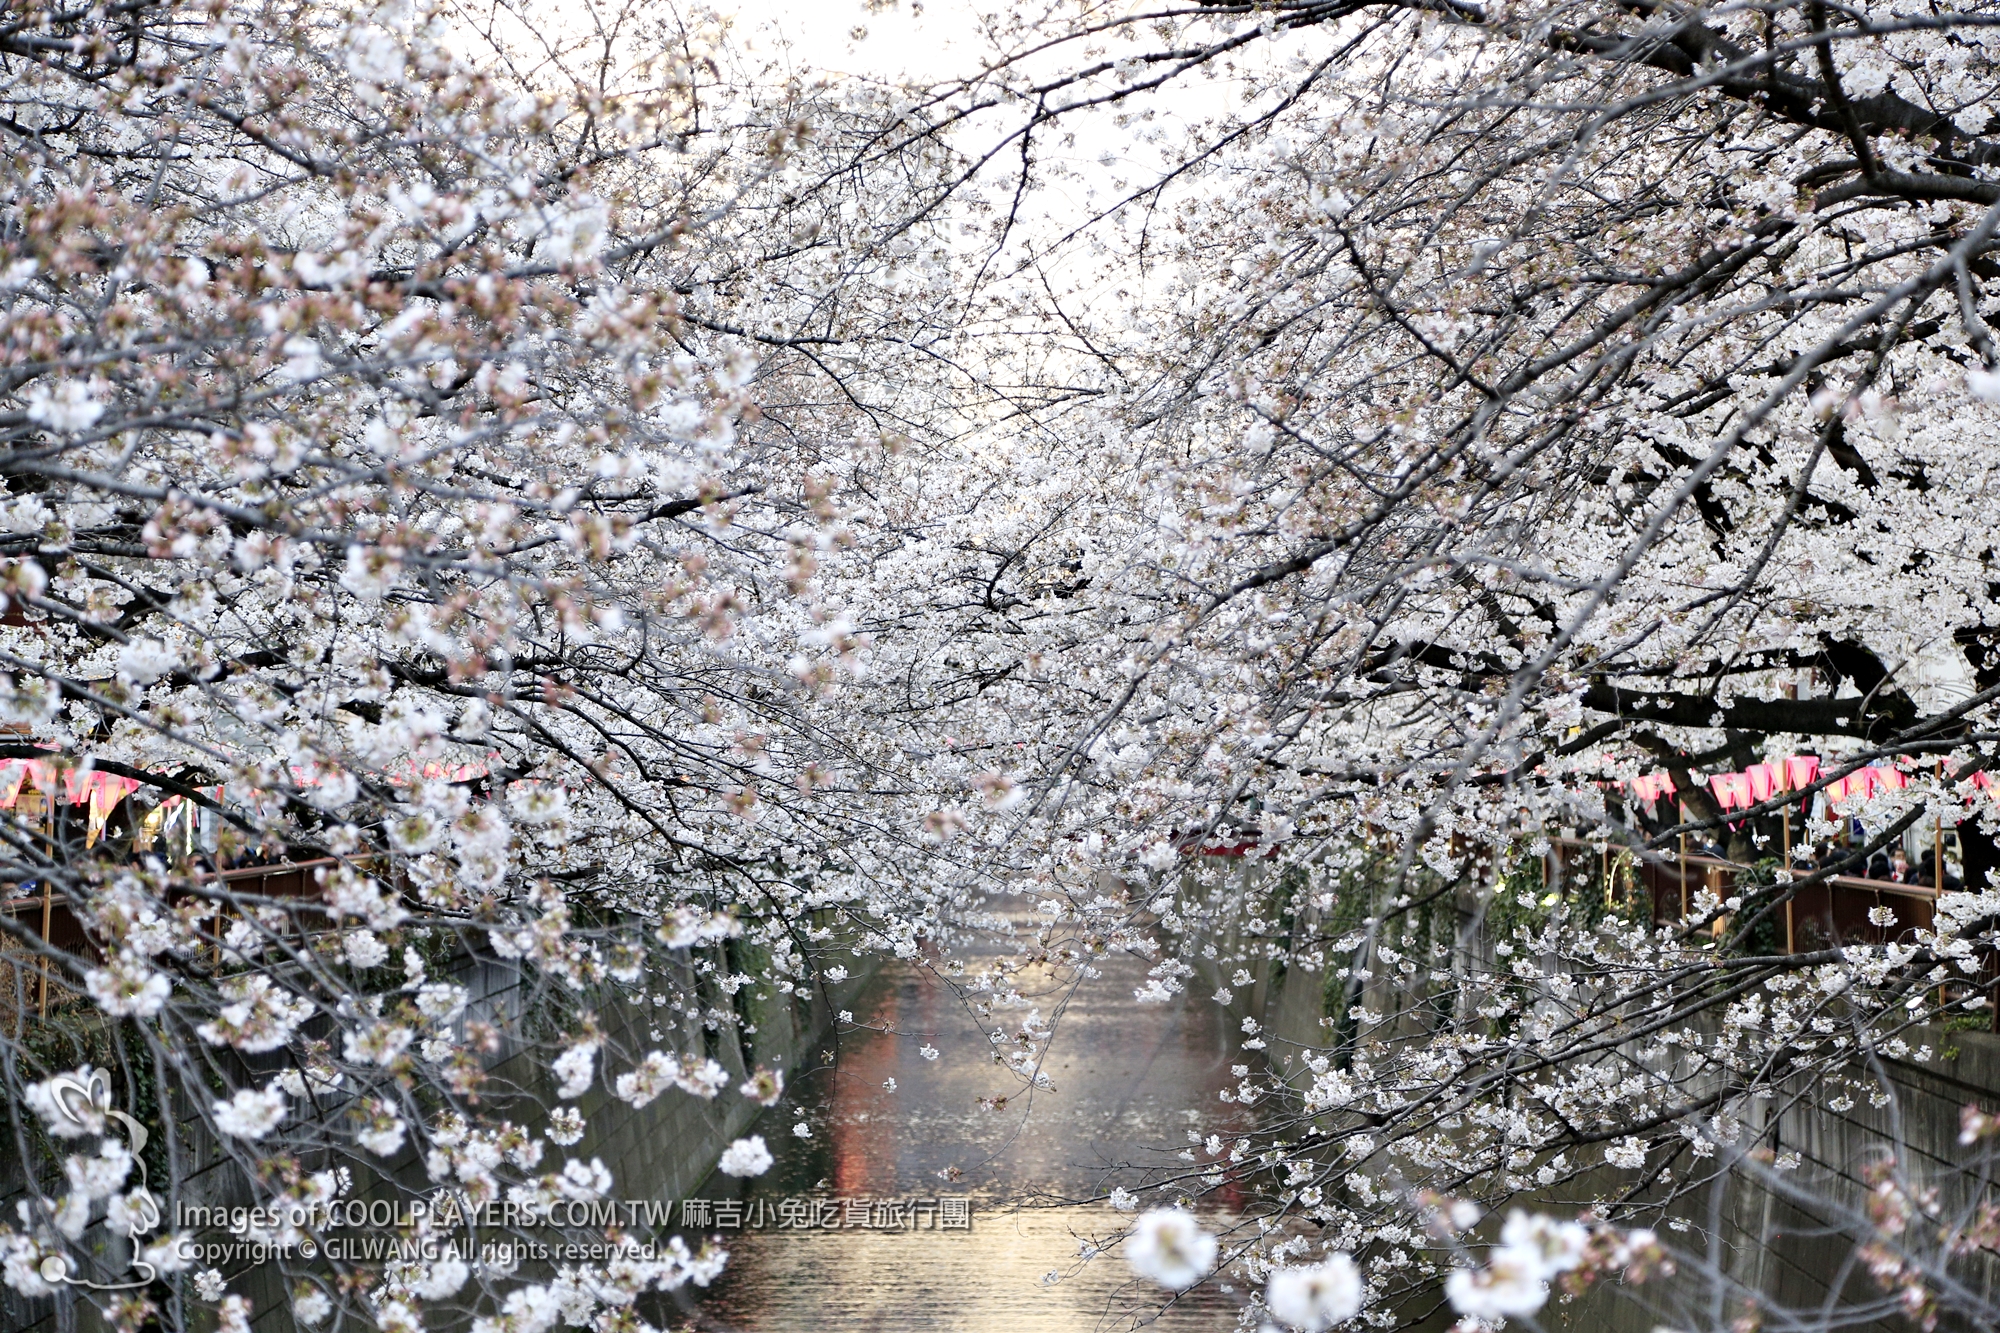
(861, 1122)
(1229, 1119)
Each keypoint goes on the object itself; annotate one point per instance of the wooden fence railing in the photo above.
(48, 915)
(1833, 909)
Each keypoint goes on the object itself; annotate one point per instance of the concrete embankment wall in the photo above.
(667, 1148)
(1766, 1243)
(659, 1153)
(1782, 1249)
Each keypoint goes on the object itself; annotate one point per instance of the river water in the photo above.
(855, 1228)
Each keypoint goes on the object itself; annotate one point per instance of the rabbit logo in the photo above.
(85, 1100)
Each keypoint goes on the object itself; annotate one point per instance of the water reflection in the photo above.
(1131, 1081)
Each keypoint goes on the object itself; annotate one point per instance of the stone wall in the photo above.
(663, 1151)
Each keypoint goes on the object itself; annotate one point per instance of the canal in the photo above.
(921, 1202)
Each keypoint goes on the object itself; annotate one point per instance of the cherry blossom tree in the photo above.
(596, 497)
(422, 430)
(1461, 409)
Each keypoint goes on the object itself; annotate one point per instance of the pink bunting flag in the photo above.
(108, 790)
(12, 774)
(1858, 785)
(43, 777)
(1732, 790)
(1763, 781)
(1662, 785)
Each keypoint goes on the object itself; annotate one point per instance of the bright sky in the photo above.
(898, 40)
(929, 41)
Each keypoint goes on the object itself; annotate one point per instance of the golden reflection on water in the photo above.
(1131, 1081)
